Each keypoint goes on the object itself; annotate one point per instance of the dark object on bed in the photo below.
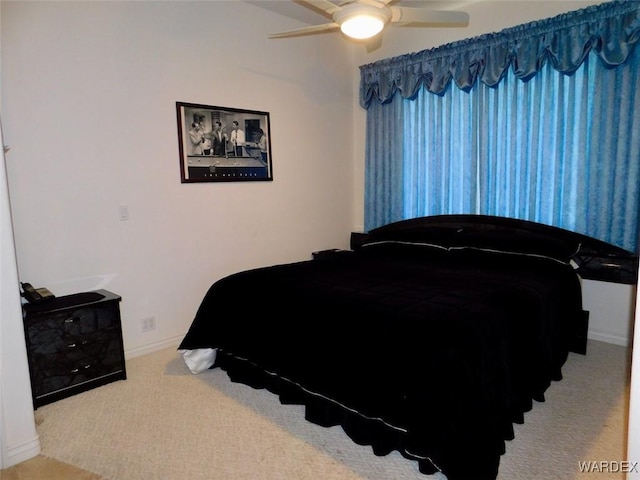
(426, 339)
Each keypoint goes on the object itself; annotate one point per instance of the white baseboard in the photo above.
(613, 338)
(24, 451)
(153, 347)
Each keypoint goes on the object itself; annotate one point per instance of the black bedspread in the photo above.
(432, 352)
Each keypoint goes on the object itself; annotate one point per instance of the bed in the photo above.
(432, 336)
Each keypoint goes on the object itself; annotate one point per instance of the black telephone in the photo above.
(35, 295)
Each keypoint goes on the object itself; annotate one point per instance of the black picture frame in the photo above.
(223, 144)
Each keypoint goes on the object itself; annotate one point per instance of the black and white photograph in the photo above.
(223, 144)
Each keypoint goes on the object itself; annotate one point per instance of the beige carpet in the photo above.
(164, 423)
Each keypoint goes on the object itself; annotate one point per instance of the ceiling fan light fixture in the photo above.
(362, 26)
(361, 21)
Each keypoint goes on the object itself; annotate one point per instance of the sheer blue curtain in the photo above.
(535, 122)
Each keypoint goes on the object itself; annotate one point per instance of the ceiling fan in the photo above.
(362, 19)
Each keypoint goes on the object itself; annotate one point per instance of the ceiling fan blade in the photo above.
(324, 5)
(435, 18)
(374, 43)
(306, 30)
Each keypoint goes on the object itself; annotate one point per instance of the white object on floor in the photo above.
(200, 359)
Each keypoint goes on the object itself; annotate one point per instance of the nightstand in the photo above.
(74, 344)
(331, 253)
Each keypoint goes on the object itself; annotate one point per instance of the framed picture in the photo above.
(223, 144)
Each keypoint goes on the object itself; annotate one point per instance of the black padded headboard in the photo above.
(595, 259)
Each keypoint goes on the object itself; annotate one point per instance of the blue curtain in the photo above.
(535, 122)
(384, 136)
(434, 187)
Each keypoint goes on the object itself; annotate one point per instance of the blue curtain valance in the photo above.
(611, 30)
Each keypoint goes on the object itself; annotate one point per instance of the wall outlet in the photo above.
(148, 324)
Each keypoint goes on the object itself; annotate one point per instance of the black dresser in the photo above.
(74, 343)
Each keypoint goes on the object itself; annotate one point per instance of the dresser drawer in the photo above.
(78, 364)
(65, 330)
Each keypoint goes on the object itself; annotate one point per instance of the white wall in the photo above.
(89, 110)
(18, 436)
(611, 309)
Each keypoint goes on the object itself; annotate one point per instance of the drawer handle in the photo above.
(76, 370)
(71, 345)
(71, 320)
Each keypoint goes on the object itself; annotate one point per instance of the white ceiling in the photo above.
(305, 13)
